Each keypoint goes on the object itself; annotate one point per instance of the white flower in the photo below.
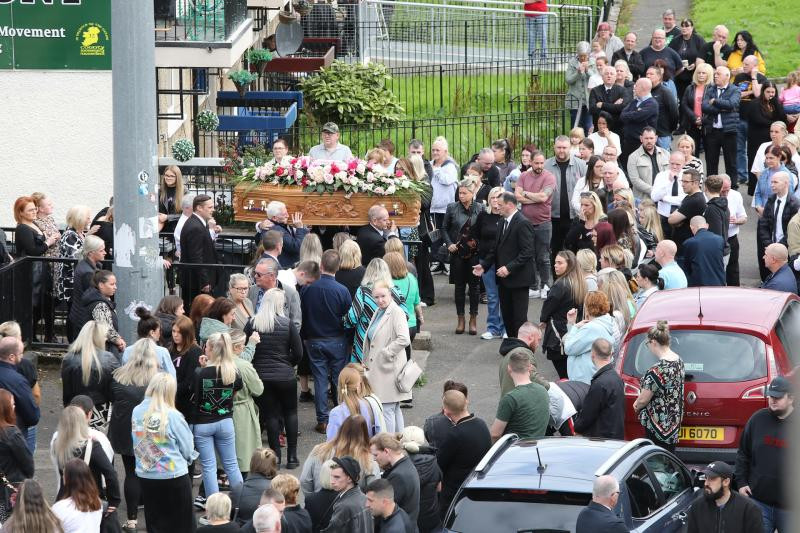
(370, 177)
(391, 189)
(341, 175)
(379, 190)
(328, 178)
(269, 170)
(361, 168)
(298, 175)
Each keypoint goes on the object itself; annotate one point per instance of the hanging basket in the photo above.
(287, 16)
(242, 88)
(261, 66)
(303, 7)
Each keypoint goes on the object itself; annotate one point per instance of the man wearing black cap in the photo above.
(763, 460)
(721, 509)
(330, 149)
(350, 514)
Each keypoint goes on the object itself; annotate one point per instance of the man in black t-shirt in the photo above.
(694, 204)
(658, 49)
(716, 51)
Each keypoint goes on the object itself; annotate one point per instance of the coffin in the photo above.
(336, 209)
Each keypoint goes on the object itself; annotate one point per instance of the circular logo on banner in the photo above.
(92, 38)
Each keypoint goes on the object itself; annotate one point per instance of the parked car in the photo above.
(543, 484)
(733, 342)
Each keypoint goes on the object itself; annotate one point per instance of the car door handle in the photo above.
(681, 517)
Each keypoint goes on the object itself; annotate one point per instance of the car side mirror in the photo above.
(698, 478)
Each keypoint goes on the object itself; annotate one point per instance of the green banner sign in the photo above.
(55, 34)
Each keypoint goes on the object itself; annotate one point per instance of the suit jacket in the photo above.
(667, 111)
(781, 280)
(291, 306)
(198, 247)
(703, 259)
(513, 249)
(635, 117)
(371, 243)
(727, 105)
(635, 62)
(597, 518)
(766, 224)
(598, 94)
(292, 239)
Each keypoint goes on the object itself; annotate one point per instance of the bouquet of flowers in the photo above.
(352, 176)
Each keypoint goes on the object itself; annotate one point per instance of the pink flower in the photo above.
(351, 166)
(398, 173)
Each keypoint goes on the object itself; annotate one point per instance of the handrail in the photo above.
(617, 456)
(489, 457)
(463, 8)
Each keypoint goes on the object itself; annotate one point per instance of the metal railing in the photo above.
(198, 20)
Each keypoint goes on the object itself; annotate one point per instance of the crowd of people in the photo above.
(623, 209)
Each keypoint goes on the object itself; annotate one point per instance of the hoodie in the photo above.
(578, 346)
(718, 216)
(429, 477)
(516, 345)
(763, 457)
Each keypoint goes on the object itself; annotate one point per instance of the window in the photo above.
(788, 329)
(670, 476)
(708, 356)
(642, 493)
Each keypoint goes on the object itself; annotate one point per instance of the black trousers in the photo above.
(560, 229)
(168, 505)
(424, 277)
(715, 140)
(279, 401)
(763, 272)
(513, 307)
(465, 281)
(132, 487)
(658, 442)
(732, 271)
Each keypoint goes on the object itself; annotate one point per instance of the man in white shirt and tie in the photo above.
(721, 121)
(772, 226)
(667, 191)
(738, 217)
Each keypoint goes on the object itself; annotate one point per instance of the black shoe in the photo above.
(429, 303)
(291, 459)
(406, 404)
(306, 396)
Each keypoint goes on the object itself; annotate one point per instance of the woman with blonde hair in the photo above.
(128, 386)
(568, 292)
(385, 338)
(163, 446)
(351, 271)
(238, 286)
(352, 402)
(297, 518)
(691, 103)
(311, 248)
(687, 146)
(624, 76)
(612, 282)
(245, 413)
(262, 469)
(585, 227)
(277, 353)
(32, 514)
(72, 439)
(87, 367)
(484, 232)
(649, 226)
(596, 324)
(215, 385)
(353, 440)
(170, 197)
(93, 251)
(69, 247)
(587, 264)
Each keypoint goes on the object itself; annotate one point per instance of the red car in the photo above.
(733, 341)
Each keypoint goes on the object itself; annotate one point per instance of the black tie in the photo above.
(775, 231)
(672, 208)
(505, 226)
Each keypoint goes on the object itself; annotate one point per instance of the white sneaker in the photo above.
(543, 292)
(488, 336)
(505, 335)
(533, 294)
(423, 304)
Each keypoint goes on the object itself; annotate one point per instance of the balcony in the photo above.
(201, 33)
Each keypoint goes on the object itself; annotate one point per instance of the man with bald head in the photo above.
(527, 341)
(462, 447)
(671, 273)
(781, 277)
(640, 113)
(703, 260)
(371, 238)
(599, 515)
(11, 349)
(667, 191)
(716, 51)
(609, 97)
(658, 49)
(773, 226)
(721, 121)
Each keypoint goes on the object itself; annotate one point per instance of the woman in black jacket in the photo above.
(128, 386)
(16, 461)
(690, 110)
(760, 113)
(689, 46)
(185, 354)
(485, 233)
(96, 305)
(90, 259)
(277, 353)
(567, 293)
(430, 475)
(456, 229)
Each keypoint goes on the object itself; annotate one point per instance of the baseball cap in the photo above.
(330, 127)
(350, 467)
(779, 387)
(718, 469)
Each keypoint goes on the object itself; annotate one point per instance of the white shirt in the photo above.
(581, 186)
(778, 216)
(758, 160)
(662, 193)
(736, 208)
(177, 233)
(75, 521)
(600, 143)
(718, 121)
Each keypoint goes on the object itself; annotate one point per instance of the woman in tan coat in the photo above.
(384, 354)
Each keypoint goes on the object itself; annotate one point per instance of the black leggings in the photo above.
(465, 281)
(658, 442)
(168, 504)
(133, 489)
(279, 401)
(412, 332)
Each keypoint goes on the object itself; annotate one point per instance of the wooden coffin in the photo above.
(250, 205)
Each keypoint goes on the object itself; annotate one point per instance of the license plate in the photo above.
(702, 433)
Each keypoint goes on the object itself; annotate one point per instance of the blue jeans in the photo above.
(218, 436)
(537, 34)
(494, 320)
(30, 438)
(773, 518)
(741, 152)
(327, 357)
(665, 142)
(542, 235)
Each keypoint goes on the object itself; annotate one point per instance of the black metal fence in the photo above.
(198, 20)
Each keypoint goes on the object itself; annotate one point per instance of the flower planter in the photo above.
(337, 209)
(242, 88)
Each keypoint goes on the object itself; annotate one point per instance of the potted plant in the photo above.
(207, 120)
(259, 57)
(183, 150)
(242, 79)
(303, 7)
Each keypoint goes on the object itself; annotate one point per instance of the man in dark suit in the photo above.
(609, 97)
(773, 226)
(603, 412)
(599, 516)
(640, 112)
(292, 231)
(197, 247)
(703, 262)
(371, 238)
(721, 121)
(511, 257)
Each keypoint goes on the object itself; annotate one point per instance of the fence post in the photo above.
(466, 45)
(441, 86)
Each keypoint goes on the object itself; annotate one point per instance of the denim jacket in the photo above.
(157, 457)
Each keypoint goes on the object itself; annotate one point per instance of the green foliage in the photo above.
(351, 93)
(234, 161)
(207, 120)
(183, 150)
(257, 55)
(242, 77)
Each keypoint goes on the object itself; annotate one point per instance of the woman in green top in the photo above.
(405, 284)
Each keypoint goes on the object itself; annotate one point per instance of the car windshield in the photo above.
(520, 511)
(708, 356)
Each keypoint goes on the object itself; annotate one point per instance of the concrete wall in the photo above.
(56, 131)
